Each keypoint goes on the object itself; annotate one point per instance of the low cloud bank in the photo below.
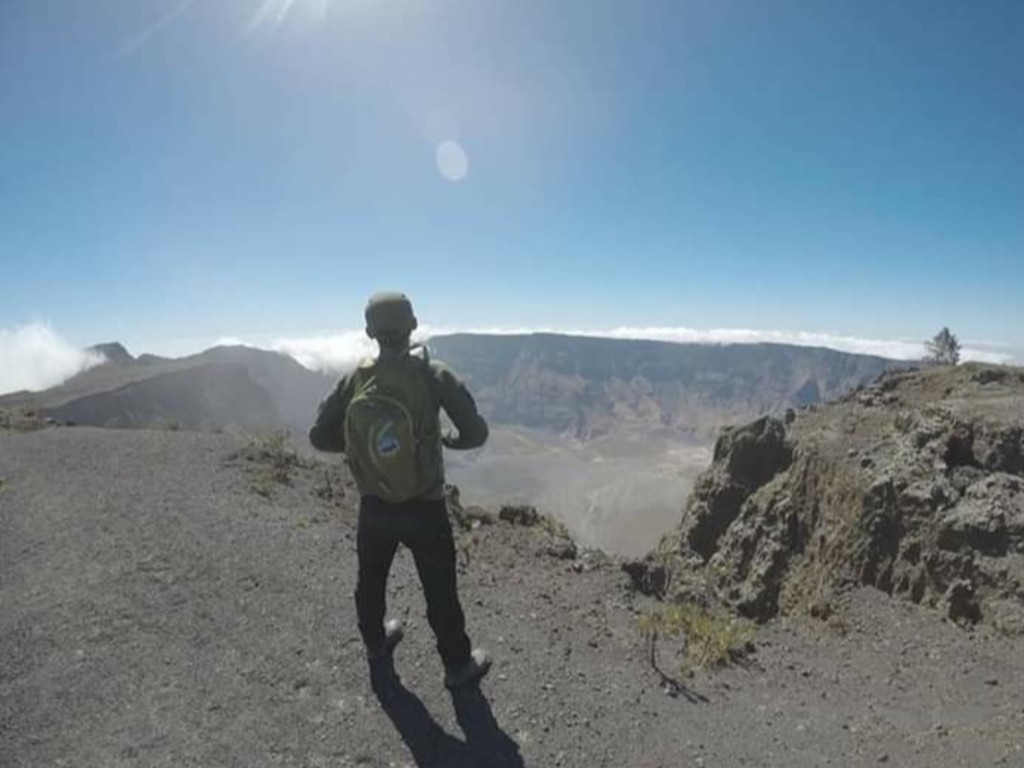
(894, 349)
(34, 357)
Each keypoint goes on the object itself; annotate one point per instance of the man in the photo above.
(385, 418)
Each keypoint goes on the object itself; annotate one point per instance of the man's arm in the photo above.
(328, 432)
(471, 428)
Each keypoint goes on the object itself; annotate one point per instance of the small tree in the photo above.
(944, 348)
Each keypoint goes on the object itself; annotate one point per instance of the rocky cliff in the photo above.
(913, 485)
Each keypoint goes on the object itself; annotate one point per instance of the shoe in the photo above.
(470, 672)
(394, 631)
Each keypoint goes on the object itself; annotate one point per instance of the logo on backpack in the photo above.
(388, 443)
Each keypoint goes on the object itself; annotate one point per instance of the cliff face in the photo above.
(589, 387)
(913, 485)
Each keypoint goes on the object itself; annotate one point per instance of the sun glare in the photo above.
(452, 161)
(275, 12)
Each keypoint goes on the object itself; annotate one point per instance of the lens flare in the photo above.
(452, 161)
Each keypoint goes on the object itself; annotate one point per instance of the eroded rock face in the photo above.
(914, 485)
(745, 458)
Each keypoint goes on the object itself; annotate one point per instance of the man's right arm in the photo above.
(458, 403)
(328, 432)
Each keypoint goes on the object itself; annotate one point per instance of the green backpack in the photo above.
(387, 426)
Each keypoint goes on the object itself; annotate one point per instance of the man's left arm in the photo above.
(328, 431)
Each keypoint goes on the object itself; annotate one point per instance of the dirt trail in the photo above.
(156, 611)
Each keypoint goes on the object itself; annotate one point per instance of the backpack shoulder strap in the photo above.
(364, 367)
(426, 369)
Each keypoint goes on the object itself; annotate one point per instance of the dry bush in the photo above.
(271, 461)
(711, 639)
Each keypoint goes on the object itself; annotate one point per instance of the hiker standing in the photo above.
(385, 417)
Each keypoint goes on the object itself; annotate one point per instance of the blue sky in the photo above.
(172, 172)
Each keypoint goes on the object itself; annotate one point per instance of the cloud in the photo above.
(34, 357)
(336, 352)
(896, 349)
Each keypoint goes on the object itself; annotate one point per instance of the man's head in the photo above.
(389, 319)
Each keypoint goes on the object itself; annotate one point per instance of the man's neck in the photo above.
(391, 353)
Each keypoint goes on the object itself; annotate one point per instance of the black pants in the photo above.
(423, 527)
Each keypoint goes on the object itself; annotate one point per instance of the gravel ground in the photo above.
(156, 611)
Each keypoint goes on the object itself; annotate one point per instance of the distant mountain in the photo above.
(222, 386)
(195, 397)
(588, 387)
(114, 352)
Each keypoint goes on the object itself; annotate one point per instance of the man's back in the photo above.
(442, 390)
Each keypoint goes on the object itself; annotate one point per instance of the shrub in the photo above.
(712, 639)
(272, 461)
(22, 418)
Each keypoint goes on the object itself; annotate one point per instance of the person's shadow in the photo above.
(486, 743)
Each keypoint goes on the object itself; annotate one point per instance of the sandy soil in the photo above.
(158, 612)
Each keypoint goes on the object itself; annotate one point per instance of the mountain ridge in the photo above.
(587, 387)
(579, 386)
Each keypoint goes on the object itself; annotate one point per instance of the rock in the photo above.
(990, 376)
(822, 608)
(962, 478)
(1006, 615)
(988, 519)
(519, 515)
(960, 447)
(974, 528)
(466, 518)
(920, 498)
(745, 459)
(755, 453)
(1001, 450)
(563, 550)
(647, 577)
(961, 604)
